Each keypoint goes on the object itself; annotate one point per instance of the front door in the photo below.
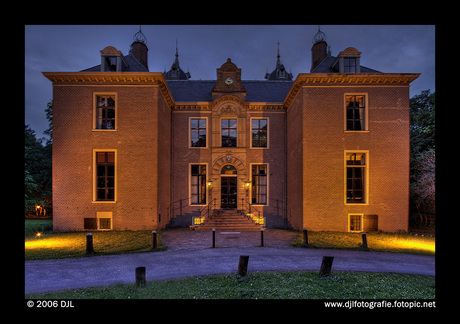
(228, 191)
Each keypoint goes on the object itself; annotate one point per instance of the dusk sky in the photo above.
(204, 48)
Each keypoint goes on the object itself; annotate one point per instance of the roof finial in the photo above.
(319, 36)
(139, 36)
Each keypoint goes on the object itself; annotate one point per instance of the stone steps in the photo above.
(228, 220)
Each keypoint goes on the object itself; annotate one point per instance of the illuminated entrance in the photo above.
(228, 187)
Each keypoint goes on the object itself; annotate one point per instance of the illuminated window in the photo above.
(105, 112)
(229, 132)
(356, 183)
(198, 183)
(259, 184)
(259, 129)
(198, 132)
(105, 176)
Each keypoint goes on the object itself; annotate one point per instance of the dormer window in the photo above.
(349, 65)
(112, 60)
(110, 64)
(348, 61)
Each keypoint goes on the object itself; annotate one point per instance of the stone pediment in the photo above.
(110, 51)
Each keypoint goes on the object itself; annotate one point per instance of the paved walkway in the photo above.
(189, 254)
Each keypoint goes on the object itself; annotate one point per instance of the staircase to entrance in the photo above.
(228, 220)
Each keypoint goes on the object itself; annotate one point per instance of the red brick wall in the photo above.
(137, 142)
(295, 149)
(153, 157)
(324, 144)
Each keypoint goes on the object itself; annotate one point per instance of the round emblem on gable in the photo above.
(228, 81)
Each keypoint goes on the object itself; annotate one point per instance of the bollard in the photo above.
(213, 238)
(154, 240)
(364, 241)
(140, 276)
(326, 265)
(261, 237)
(243, 265)
(89, 244)
(305, 236)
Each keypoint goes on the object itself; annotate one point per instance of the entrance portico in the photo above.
(228, 176)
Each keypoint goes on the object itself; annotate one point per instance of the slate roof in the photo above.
(326, 67)
(131, 65)
(256, 91)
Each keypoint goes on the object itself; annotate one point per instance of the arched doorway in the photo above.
(228, 187)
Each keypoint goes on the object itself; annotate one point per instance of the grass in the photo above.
(376, 241)
(73, 244)
(266, 285)
(34, 226)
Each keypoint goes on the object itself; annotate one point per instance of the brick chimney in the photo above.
(318, 54)
(319, 49)
(139, 51)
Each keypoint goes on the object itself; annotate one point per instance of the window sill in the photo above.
(356, 204)
(103, 130)
(104, 202)
(356, 131)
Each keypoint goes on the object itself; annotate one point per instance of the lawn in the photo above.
(376, 241)
(51, 245)
(266, 285)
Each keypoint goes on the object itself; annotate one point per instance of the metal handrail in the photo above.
(207, 207)
(250, 209)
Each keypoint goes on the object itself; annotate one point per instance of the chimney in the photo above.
(139, 51)
(318, 54)
(319, 49)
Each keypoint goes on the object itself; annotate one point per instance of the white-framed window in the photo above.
(356, 177)
(356, 112)
(104, 111)
(198, 132)
(104, 220)
(355, 222)
(259, 132)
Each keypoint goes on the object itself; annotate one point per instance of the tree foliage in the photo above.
(423, 156)
(37, 171)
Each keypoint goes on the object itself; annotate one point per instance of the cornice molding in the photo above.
(102, 78)
(338, 79)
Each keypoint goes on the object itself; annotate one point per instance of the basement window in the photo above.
(355, 222)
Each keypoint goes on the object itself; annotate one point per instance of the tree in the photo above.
(49, 116)
(37, 171)
(423, 156)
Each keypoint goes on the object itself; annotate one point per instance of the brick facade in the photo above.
(305, 184)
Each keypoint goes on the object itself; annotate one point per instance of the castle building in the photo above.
(138, 150)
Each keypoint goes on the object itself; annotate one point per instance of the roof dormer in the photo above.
(348, 61)
(111, 60)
